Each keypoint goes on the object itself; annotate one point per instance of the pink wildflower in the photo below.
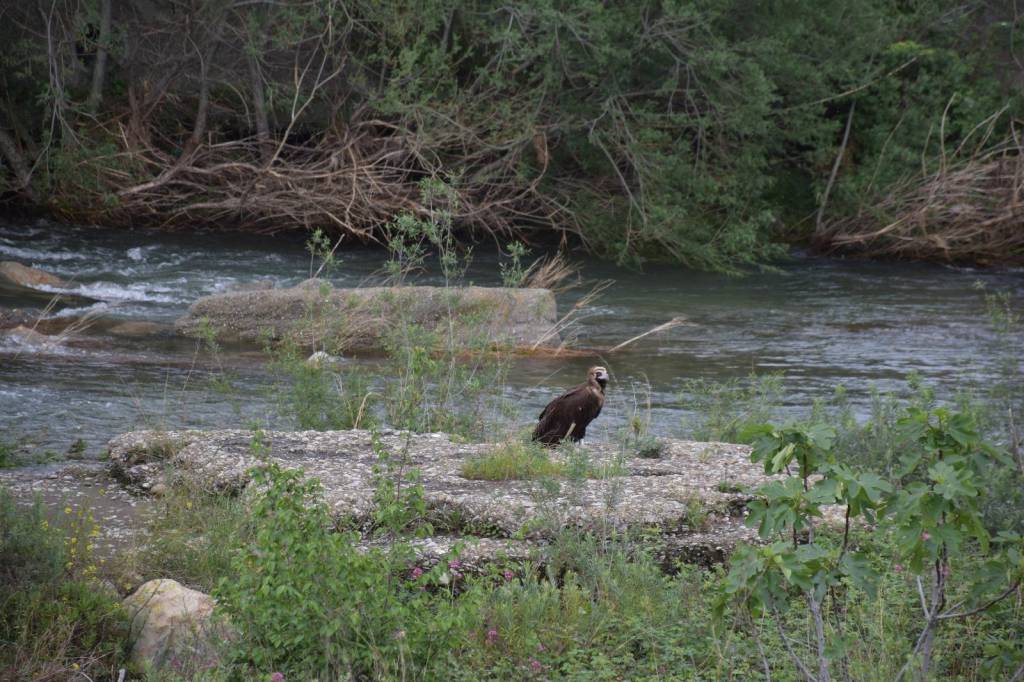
(417, 572)
(898, 568)
(508, 575)
(926, 536)
(454, 564)
(536, 665)
(492, 636)
(277, 677)
(541, 647)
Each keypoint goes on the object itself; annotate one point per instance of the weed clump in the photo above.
(513, 460)
(57, 620)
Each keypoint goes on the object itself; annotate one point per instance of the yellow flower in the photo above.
(67, 510)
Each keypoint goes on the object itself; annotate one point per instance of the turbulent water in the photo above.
(820, 323)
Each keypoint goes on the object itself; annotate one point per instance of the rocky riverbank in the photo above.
(693, 495)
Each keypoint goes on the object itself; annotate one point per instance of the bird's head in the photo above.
(598, 374)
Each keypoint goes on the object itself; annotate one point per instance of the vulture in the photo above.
(568, 414)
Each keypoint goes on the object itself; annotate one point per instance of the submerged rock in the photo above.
(137, 329)
(25, 276)
(171, 623)
(693, 495)
(360, 318)
(25, 336)
(15, 317)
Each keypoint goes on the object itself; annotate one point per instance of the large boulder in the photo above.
(694, 494)
(172, 626)
(360, 318)
(31, 278)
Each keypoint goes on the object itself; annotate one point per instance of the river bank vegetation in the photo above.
(707, 133)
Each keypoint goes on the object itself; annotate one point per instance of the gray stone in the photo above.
(137, 329)
(24, 276)
(693, 496)
(360, 318)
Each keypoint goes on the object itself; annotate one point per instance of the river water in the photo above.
(818, 322)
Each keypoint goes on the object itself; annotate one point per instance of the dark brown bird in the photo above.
(567, 415)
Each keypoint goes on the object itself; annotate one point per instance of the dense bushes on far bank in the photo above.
(684, 131)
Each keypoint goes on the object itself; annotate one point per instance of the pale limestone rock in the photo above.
(23, 275)
(360, 318)
(171, 624)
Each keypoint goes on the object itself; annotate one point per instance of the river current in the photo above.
(819, 323)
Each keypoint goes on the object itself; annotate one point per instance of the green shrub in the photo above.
(310, 603)
(319, 397)
(723, 409)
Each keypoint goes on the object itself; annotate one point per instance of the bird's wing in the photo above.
(562, 398)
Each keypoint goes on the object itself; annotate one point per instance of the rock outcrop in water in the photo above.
(691, 495)
(30, 278)
(359, 318)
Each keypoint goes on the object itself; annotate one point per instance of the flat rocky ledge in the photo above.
(693, 496)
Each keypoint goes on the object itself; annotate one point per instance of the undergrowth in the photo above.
(57, 621)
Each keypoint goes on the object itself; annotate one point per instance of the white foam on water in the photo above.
(15, 344)
(80, 312)
(36, 255)
(112, 292)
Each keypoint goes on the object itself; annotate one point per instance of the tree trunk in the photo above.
(259, 108)
(99, 72)
(203, 108)
(16, 161)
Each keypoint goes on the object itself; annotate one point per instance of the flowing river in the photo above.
(820, 323)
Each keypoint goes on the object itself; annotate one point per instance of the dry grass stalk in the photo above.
(969, 210)
(573, 315)
(671, 324)
(552, 273)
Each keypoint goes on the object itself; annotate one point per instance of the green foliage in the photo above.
(685, 131)
(514, 271)
(400, 506)
(723, 409)
(55, 618)
(319, 396)
(513, 460)
(309, 602)
(8, 453)
(199, 534)
(929, 519)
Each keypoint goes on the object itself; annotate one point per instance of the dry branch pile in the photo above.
(968, 210)
(353, 181)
